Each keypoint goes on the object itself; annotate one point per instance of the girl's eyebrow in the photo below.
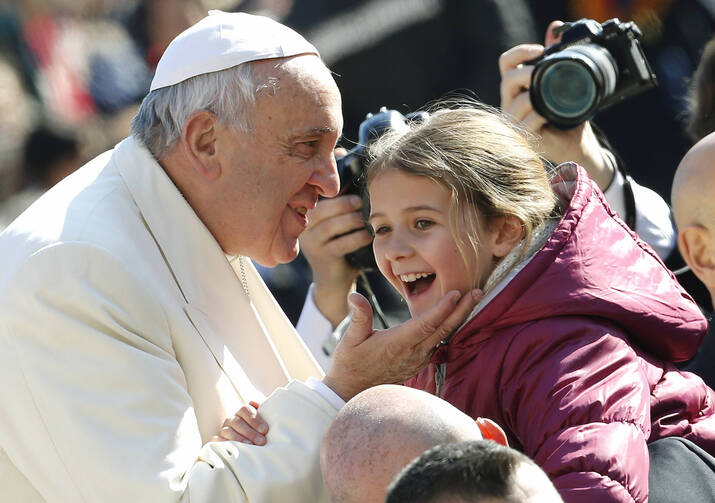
(410, 209)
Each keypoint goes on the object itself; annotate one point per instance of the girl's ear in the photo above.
(507, 232)
(199, 141)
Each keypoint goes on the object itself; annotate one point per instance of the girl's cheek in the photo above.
(383, 265)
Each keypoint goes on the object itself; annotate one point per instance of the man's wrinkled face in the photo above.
(275, 172)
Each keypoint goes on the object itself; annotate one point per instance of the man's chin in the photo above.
(279, 255)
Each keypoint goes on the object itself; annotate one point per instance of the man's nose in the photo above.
(325, 177)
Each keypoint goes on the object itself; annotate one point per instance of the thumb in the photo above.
(360, 327)
(552, 38)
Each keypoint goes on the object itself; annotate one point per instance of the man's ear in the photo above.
(695, 245)
(199, 140)
(507, 232)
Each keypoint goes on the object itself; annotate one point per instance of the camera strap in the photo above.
(629, 198)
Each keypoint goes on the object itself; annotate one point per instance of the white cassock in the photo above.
(126, 338)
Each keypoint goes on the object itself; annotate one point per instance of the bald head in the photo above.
(693, 193)
(693, 201)
(379, 432)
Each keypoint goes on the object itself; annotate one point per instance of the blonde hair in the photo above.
(487, 162)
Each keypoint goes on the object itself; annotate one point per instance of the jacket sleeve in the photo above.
(578, 400)
(100, 407)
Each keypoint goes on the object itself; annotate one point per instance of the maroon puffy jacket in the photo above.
(573, 356)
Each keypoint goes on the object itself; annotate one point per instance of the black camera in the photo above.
(593, 67)
(352, 166)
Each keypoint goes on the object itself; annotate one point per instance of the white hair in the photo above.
(229, 94)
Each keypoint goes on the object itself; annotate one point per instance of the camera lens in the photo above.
(568, 89)
(568, 86)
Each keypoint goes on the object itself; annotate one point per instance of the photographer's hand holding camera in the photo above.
(568, 81)
(578, 144)
(338, 246)
(336, 228)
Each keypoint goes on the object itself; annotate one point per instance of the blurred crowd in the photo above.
(72, 73)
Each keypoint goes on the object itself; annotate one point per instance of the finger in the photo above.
(250, 415)
(518, 55)
(350, 242)
(329, 208)
(551, 38)
(534, 122)
(428, 323)
(242, 428)
(513, 83)
(339, 226)
(360, 327)
(440, 323)
(227, 433)
(520, 108)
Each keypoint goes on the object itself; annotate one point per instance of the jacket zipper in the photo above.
(439, 375)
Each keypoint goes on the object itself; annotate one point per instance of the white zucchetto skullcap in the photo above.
(225, 39)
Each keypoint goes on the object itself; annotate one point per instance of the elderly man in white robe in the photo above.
(132, 321)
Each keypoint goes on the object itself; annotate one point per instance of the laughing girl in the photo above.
(572, 348)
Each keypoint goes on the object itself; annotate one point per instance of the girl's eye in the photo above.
(423, 224)
(380, 230)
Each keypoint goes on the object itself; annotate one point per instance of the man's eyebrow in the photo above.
(316, 130)
(309, 133)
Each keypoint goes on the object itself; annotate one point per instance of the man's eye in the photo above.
(309, 145)
(306, 148)
(423, 224)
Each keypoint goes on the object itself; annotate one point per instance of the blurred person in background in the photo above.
(50, 153)
(18, 115)
(701, 96)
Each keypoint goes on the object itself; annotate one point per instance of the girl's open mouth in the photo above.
(417, 283)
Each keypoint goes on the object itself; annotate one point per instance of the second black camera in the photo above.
(351, 168)
(593, 67)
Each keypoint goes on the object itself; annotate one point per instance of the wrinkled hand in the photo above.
(366, 357)
(578, 144)
(246, 426)
(325, 242)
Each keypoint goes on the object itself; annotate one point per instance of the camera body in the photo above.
(593, 67)
(352, 167)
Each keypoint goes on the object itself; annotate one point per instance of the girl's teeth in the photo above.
(301, 210)
(408, 278)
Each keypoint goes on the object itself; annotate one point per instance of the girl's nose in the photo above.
(398, 247)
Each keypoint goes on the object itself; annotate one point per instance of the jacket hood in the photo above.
(593, 265)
